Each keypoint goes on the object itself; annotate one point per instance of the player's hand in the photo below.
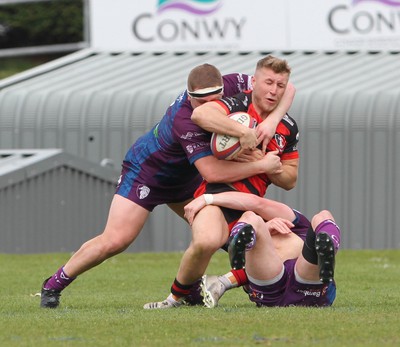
(265, 132)
(279, 226)
(273, 164)
(246, 155)
(249, 139)
(193, 207)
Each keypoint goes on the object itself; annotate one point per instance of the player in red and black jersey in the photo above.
(210, 229)
(283, 144)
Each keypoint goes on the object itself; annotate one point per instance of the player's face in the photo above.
(196, 102)
(268, 89)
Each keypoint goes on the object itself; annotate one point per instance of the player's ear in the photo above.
(253, 81)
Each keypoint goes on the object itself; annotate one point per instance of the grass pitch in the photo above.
(104, 306)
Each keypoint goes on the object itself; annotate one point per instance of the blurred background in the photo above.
(35, 32)
(81, 80)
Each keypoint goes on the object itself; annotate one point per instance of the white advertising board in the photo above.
(204, 25)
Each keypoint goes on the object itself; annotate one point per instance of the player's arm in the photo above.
(287, 178)
(212, 117)
(267, 209)
(226, 171)
(266, 130)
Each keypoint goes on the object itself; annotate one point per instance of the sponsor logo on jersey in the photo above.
(191, 148)
(288, 120)
(256, 295)
(190, 135)
(142, 191)
(310, 292)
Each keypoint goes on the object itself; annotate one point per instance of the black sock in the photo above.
(309, 252)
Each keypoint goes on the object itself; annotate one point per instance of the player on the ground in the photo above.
(286, 261)
(165, 166)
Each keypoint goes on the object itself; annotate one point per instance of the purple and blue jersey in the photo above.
(158, 168)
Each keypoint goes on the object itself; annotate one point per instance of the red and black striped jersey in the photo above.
(285, 141)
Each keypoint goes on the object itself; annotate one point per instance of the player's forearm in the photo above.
(213, 118)
(287, 179)
(265, 208)
(225, 171)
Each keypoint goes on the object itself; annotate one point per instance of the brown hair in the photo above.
(204, 76)
(275, 64)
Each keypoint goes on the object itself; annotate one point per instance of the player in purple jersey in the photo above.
(165, 166)
(287, 263)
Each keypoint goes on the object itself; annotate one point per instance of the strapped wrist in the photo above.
(209, 198)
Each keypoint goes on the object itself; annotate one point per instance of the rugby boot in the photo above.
(49, 298)
(325, 248)
(212, 290)
(238, 243)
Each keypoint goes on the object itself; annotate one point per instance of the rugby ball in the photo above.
(227, 146)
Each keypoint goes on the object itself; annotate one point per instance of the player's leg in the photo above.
(178, 208)
(317, 261)
(250, 245)
(125, 221)
(209, 233)
(194, 297)
(262, 249)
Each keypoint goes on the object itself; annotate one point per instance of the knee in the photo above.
(320, 217)
(208, 243)
(203, 246)
(112, 246)
(251, 218)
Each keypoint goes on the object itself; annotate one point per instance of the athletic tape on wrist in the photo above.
(209, 198)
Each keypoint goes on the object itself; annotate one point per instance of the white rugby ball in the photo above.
(227, 146)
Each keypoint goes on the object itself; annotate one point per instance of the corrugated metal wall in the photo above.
(46, 201)
(347, 107)
(54, 202)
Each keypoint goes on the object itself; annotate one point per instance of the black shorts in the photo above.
(229, 214)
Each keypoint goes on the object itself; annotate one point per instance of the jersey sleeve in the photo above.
(290, 150)
(236, 83)
(194, 140)
(238, 103)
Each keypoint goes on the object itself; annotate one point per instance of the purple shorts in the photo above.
(288, 292)
(149, 193)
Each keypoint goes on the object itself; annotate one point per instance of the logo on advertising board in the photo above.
(366, 24)
(188, 23)
(199, 7)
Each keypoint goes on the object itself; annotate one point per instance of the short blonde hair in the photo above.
(275, 64)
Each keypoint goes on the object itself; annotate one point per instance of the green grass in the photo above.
(104, 306)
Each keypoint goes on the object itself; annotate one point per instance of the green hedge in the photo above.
(41, 23)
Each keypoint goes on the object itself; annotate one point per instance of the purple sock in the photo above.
(59, 280)
(332, 230)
